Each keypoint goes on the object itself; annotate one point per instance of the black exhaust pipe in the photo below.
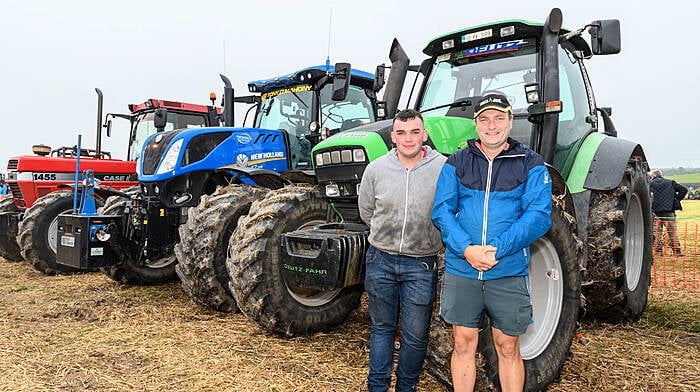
(397, 77)
(550, 83)
(98, 146)
(228, 101)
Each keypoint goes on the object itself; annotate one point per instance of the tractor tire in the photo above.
(38, 231)
(9, 249)
(255, 270)
(554, 274)
(620, 241)
(128, 271)
(204, 241)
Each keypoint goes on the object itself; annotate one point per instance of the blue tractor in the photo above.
(195, 183)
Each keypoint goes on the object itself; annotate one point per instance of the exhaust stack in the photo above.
(98, 147)
(228, 102)
(397, 77)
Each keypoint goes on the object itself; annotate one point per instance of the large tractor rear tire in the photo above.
(128, 271)
(254, 266)
(554, 274)
(9, 249)
(38, 231)
(620, 236)
(204, 243)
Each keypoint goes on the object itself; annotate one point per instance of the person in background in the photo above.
(667, 199)
(4, 190)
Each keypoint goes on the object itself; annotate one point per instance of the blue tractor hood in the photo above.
(166, 155)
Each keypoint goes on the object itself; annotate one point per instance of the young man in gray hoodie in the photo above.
(396, 200)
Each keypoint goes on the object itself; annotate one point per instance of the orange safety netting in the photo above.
(676, 260)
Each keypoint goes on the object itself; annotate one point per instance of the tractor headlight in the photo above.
(319, 159)
(168, 163)
(358, 155)
(332, 190)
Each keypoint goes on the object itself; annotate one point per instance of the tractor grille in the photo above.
(16, 193)
(12, 164)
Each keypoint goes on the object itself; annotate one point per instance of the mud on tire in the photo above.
(38, 230)
(9, 249)
(204, 242)
(620, 232)
(554, 271)
(255, 270)
(128, 271)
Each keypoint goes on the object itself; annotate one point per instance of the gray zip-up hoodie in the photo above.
(397, 204)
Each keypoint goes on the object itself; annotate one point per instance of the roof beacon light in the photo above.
(212, 97)
(508, 30)
(449, 44)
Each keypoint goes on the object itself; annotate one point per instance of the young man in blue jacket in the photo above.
(492, 200)
(395, 200)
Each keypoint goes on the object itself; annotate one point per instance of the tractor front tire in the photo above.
(620, 241)
(9, 249)
(204, 242)
(554, 275)
(254, 265)
(128, 271)
(38, 231)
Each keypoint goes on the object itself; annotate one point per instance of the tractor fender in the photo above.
(600, 165)
(609, 163)
(300, 176)
(262, 177)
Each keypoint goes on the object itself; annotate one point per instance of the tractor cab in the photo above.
(538, 67)
(179, 115)
(303, 105)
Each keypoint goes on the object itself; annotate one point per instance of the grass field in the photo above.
(688, 177)
(87, 333)
(691, 209)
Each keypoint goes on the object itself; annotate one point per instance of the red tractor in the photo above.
(41, 184)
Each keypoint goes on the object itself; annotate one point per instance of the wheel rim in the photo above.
(160, 263)
(634, 242)
(310, 297)
(547, 294)
(52, 234)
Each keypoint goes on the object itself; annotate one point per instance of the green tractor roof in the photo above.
(489, 33)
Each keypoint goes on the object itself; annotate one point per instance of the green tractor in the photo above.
(296, 261)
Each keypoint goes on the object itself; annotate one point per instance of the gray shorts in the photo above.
(463, 302)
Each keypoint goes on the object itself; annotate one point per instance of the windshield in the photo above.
(289, 111)
(504, 67)
(143, 127)
(352, 112)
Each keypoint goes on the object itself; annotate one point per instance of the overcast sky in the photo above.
(54, 53)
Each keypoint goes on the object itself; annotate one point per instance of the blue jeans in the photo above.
(394, 282)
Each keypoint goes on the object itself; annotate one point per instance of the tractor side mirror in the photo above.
(605, 36)
(108, 126)
(380, 110)
(341, 81)
(160, 117)
(378, 78)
